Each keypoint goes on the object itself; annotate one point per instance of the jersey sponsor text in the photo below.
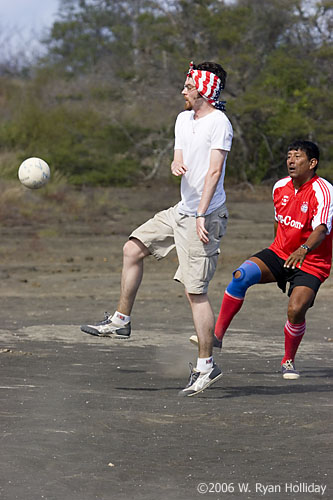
(288, 221)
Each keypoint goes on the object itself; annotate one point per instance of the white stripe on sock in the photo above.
(295, 330)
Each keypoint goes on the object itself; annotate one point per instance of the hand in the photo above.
(295, 258)
(201, 230)
(178, 168)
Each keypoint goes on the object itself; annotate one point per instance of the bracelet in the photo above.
(199, 215)
(306, 248)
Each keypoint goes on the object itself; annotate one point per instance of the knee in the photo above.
(296, 313)
(133, 250)
(246, 275)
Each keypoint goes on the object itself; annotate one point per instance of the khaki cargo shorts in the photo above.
(197, 261)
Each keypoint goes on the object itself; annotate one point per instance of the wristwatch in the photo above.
(199, 215)
(306, 248)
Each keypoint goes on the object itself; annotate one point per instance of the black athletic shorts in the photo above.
(284, 275)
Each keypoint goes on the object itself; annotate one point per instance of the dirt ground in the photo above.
(88, 418)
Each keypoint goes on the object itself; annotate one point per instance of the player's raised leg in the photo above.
(251, 272)
(134, 253)
(119, 324)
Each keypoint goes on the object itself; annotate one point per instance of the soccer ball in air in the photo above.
(34, 173)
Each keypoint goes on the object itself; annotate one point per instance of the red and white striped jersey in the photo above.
(298, 213)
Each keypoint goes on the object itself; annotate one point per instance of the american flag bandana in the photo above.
(208, 85)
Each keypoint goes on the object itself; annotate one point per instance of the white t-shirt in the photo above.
(196, 139)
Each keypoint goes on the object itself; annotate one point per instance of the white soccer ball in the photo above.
(34, 173)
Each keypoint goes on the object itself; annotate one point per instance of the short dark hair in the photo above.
(213, 68)
(310, 148)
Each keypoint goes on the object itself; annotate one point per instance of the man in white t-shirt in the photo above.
(195, 226)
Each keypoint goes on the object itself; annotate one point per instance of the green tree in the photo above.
(110, 84)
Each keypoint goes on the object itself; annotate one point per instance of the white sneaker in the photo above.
(106, 328)
(289, 371)
(199, 381)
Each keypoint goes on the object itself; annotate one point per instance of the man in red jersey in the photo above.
(300, 254)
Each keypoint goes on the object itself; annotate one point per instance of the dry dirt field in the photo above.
(61, 256)
(85, 418)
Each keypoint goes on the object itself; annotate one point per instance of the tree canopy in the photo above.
(100, 105)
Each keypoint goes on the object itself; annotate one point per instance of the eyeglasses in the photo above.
(189, 88)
